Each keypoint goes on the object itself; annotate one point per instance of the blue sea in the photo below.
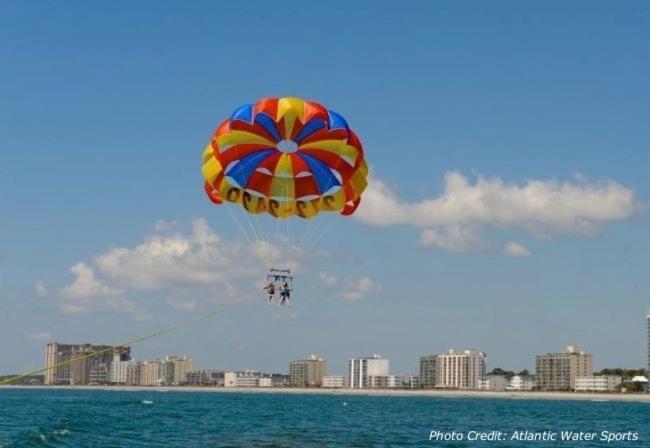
(98, 418)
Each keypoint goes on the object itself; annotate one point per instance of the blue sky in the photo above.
(105, 110)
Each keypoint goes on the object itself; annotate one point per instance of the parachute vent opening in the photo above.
(287, 146)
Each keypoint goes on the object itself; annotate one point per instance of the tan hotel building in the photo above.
(558, 371)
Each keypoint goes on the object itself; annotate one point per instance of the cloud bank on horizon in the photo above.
(454, 220)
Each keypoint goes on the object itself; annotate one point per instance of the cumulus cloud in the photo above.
(199, 257)
(188, 267)
(327, 278)
(41, 291)
(453, 220)
(88, 292)
(349, 288)
(453, 238)
(516, 250)
(85, 285)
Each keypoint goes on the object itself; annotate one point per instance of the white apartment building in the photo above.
(460, 369)
(334, 381)
(360, 369)
(602, 383)
(521, 382)
(246, 378)
(119, 370)
(265, 382)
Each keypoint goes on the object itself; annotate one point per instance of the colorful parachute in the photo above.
(286, 157)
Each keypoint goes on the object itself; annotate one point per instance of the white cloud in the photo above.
(327, 278)
(350, 288)
(184, 305)
(453, 219)
(189, 268)
(41, 336)
(41, 291)
(177, 259)
(453, 238)
(516, 250)
(87, 292)
(86, 286)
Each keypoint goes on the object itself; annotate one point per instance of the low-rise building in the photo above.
(600, 383)
(334, 381)
(245, 378)
(495, 383)
(521, 383)
(213, 378)
(265, 381)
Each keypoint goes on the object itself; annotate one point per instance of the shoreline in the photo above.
(520, 395)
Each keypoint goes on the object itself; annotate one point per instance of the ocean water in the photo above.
(96, 418)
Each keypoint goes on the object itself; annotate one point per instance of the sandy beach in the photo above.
(632, 397)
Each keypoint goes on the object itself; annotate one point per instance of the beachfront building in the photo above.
(214, 378)
(495, 383)
(265, 381)
(280, 380)
(410, 381)
(151, 373)
(384, 381)
(175, 370)
(118, 368)
(428, 371)
(308, 372)
(133, 373)
(361, 369)
(460, 369)
(334, 382)
(244, 378)
(521, 383)
(601, 383)
(71, 364)
(99, 375)
(647, 318)
(558, 371)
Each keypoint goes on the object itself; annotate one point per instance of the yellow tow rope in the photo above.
(171, 329)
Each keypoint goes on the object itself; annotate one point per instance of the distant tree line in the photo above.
(31, 380)
(625, 373)
(508, 373)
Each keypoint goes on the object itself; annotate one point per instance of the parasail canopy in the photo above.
(285, 157)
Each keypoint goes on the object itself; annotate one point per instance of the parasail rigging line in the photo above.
(170, 329)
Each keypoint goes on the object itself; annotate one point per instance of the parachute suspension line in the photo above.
(248, 237)
(301, 240)
(256, 245)
(322, 234)
(133, 341)
(288, 235)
